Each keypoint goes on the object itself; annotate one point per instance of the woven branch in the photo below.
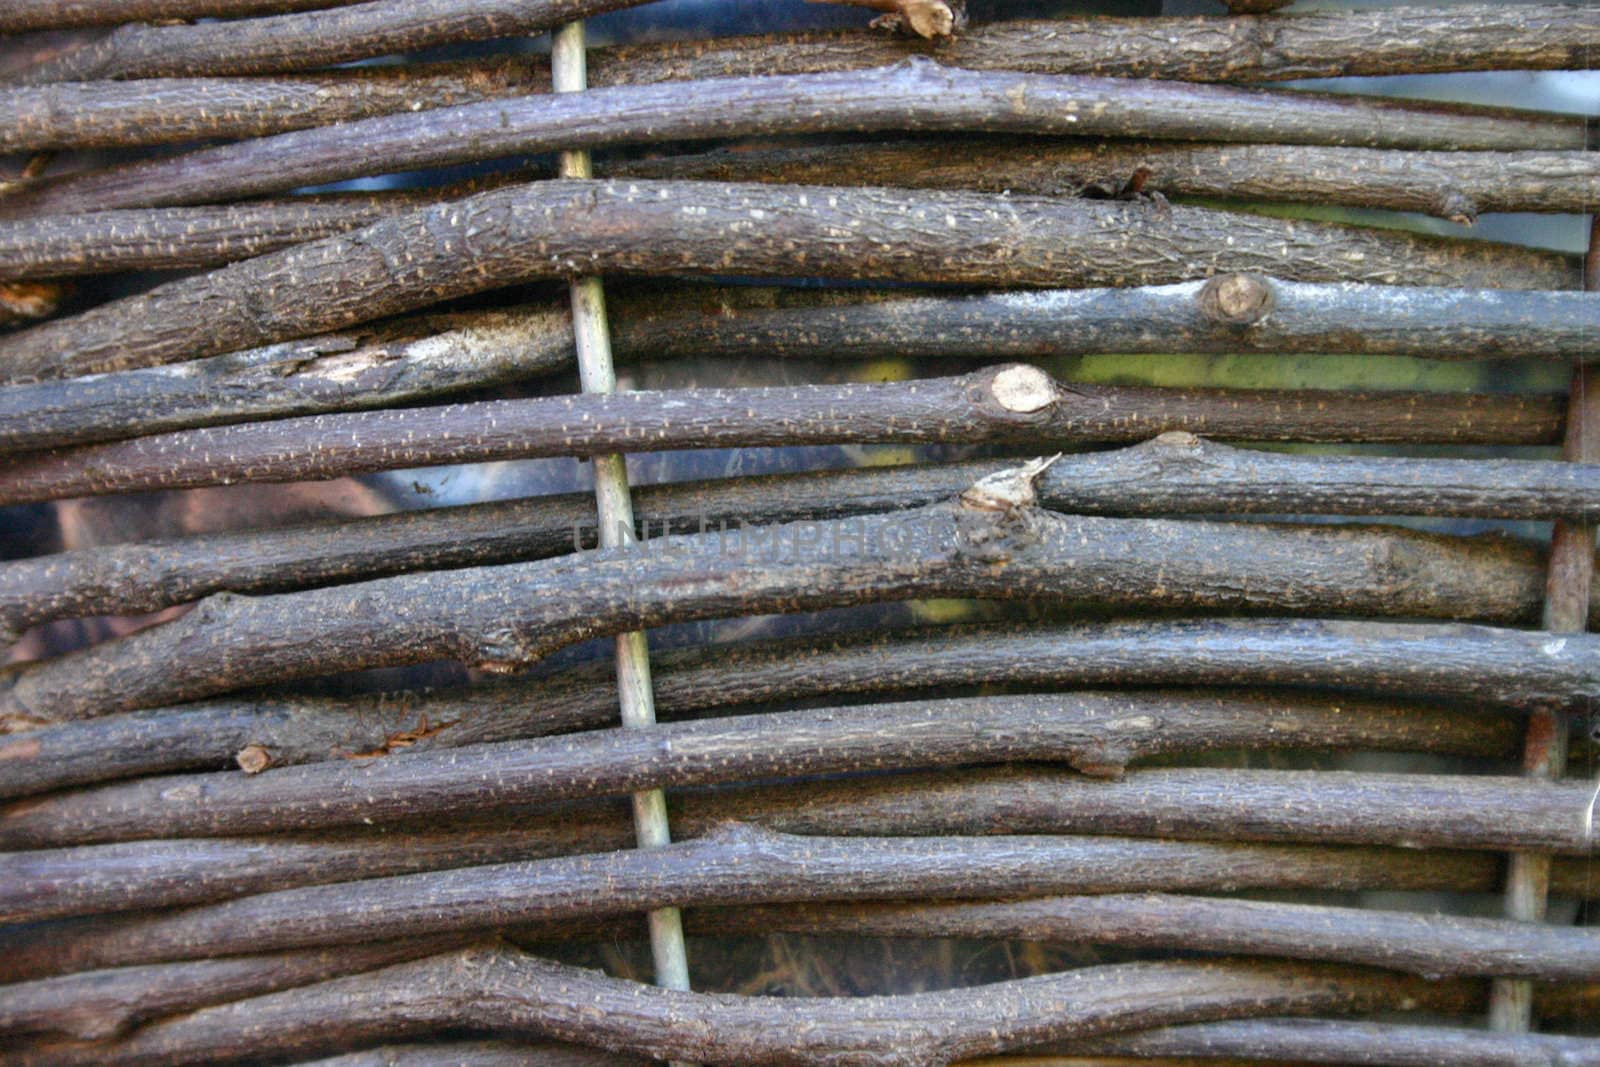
(555, 229)
(916, 95)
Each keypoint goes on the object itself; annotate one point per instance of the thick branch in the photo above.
(23, 15)
(975, 408)
(509, 992)
(426, 356)
(973, 802)
(1488, 668)
(551, 229)
(1455, 185)
(1322, 44)
(504, 618)
(1097, 734)
(1173, 473)
(917, 95)
(736, 865)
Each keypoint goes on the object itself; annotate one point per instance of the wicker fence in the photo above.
(1023, 695)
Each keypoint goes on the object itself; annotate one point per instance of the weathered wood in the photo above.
(507, 617)
(426, 356)
(23, 15)
(734, 865)
(1249, 48)
(1455, 185)
(199, 871)
(1097, 734)
(509, 992)
(1483, 667)
(1173, 473)
(96, 1005)
(557, 229)
(974, 408)
(304, 40)
(914, 95)
(1429, 945)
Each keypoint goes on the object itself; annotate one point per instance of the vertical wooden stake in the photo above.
(569, 70)
(1566, 610)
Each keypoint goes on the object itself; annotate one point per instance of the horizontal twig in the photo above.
(434, 355)
(969, 802)
(1097, 734)
(560, 228)
(486, 1054)
(734, 865)
(1326, 1041)
(23, 15)
(1173, 473)
(999, 405)
(1249, 48)
(171, 238)
(1396, 661)
(507, 617)
(915, 95)
(509, 992)
(304, 40)
(1454, 185)
(1433, 946)
(96, 1005)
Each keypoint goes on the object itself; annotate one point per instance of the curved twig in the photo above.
(914, 95)
(504, 618)
(1173, 473)
(1488, 668)
(1097, 734)
(1000, 405)
(1320, 44)
(559, 228)
(509, 992)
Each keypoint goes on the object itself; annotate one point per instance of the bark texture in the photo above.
(1012, 405)
(505, 618)
(557, 229)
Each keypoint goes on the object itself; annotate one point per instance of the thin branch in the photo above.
(426, 356)
(1394, 661)
(1455, 185)
(1173, 473)
(555, 229)
(734, 865)
(487, 1054)
(971, 409)
(96, 1005)
(21, 16)
(915, 95)
(504, 618)
(508, 992)
(966, 802)
(305, 40)
(1321, 44)
(1432, 946)
(1096, 734)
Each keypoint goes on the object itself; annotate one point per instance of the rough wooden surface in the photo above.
(1242, 48)
(1173, 473)
(558, 229)
(508, 617)
(969, 409)
(915, 95)
(1454, 185)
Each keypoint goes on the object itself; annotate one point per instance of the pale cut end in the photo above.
(253, 759)
(1008, 489)
(1023, 389)
(1236, 299)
